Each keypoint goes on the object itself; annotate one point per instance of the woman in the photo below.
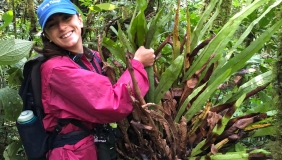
(69, 91)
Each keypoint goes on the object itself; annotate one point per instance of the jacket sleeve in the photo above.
(72, 92)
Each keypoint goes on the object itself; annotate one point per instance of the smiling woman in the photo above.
(65, 31)
(73, 84)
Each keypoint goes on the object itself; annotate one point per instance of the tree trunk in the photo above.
(276, 145)
(224, 13)
(32, 16)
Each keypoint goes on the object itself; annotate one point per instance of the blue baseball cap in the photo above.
(49, 7)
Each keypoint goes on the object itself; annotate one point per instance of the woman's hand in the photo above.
(145, 56)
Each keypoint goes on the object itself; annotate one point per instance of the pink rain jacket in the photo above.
(71, 92)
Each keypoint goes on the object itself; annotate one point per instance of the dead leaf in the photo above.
(213, 149)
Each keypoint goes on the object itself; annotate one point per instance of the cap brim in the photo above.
(54, 11)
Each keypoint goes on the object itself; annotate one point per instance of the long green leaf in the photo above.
(250, 27)
(210, 22)
(141, 29)
(150, 36)
(239, 60)
(154, 25)
(124, 40)
(114, 48)
(218, 44)
(252, 84)
(168, 77)
(132, 29)
(137, 25)
(141, 5)
(150, 96)
(199, 27)
(187, 100)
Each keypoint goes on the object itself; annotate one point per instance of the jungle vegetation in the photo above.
(215, 88)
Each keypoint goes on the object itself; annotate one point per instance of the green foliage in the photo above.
(11, 152)
(218, 44)
(97, 7)
(13, 50)
(168, 77)
(228, 61)
(11, 102)
(7, 17)
(247, 41)
(243, 155)
(252, 84)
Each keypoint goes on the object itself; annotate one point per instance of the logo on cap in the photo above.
(50, 2)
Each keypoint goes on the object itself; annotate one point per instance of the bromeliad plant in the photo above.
(183, 115)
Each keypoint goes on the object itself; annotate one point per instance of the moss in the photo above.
(223, 17)
(276, 145)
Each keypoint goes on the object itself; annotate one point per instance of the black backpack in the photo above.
(36, 140)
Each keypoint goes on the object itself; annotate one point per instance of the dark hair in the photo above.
(50, 49)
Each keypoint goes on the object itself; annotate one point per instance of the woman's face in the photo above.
(65, 31)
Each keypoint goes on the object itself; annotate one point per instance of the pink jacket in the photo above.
(71, 92)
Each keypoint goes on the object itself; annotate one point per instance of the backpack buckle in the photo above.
(58, 128)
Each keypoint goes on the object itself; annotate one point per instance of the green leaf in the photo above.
(250, 27)
(240, 147)
(218, 44)
(114, 48)
(11, 150)
(239, 60)
(11, 51)
(106, 6)
(114, 30)
(7, 17)
(15, 77)
(150, 95)
(142, 29)
(168, 77)
(208, 24)
(219, 128)
(165, 19)
(265, 131)
(141, 5)
(252, 84)
(262, 108)
(243, 155)
(11, 102)
(195, 35)
(124, 40)
(132, 30)
(151, 34)
(187, 100)
(95, 8)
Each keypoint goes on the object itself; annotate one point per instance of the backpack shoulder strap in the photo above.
(30, 90)
(36, 86)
